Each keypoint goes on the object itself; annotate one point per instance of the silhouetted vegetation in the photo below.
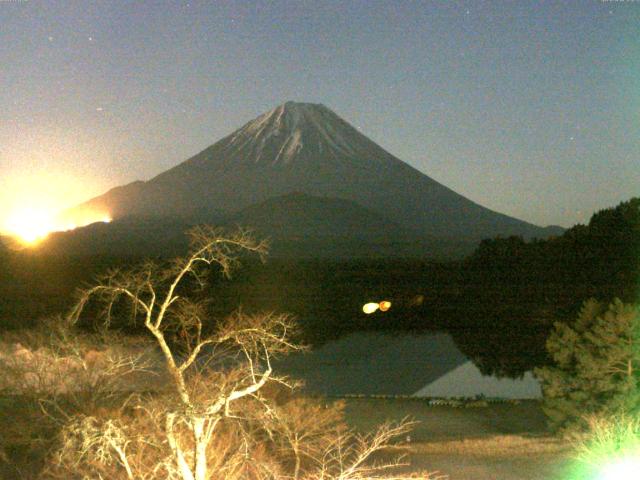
(595, 366)
(185, 402)
(500, 303)
(519, 289)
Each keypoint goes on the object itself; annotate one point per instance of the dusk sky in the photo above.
(528, 108)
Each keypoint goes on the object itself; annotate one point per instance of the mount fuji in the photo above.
(307, 150)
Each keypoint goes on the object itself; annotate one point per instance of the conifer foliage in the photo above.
(596, 365)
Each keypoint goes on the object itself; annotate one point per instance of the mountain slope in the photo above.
(130, 236)
(298, 226)
(301, 215)
(300, 147)
(303, 226)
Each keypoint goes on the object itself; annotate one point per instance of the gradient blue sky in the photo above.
(528, 108)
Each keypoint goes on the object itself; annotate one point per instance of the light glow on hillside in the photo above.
(385, 305)
(32, 203)
(32, 224)
(372, 307)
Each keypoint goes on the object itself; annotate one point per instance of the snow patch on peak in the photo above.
(295, 116)
(288, 129)
(290, 148)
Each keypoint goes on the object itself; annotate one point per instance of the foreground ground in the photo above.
(501, 441)
(474, 441)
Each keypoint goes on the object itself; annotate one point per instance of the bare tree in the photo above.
(245, 342)
(216, 418)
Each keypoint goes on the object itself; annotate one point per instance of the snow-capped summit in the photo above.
(307, 148)
(293, 127)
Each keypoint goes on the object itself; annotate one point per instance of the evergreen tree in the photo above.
(596, 365)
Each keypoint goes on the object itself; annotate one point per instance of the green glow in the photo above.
(611, 450)
(623, 469)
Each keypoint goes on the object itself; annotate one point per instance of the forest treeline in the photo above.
(499, 303)
(524, 287)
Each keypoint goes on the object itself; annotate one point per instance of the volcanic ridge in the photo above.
(307, 150)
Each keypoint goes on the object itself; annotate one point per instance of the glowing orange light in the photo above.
(371, 307)
(31, 225)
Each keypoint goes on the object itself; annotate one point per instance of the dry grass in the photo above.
(500, 446)
(483, 457)
(500, 441)
(502, 457)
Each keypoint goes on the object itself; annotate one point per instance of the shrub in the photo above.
(596, 366)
